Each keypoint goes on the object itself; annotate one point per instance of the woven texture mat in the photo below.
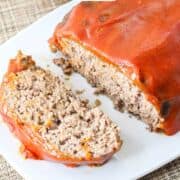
(16, 15)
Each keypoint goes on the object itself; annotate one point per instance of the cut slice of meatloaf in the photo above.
(113, 82)
(51, 121)
(131, 50)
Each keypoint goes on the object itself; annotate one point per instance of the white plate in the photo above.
(142, 151)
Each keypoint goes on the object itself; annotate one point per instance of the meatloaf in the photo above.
(131, 50)
(51, 121)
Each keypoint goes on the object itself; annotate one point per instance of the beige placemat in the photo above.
(14, 16)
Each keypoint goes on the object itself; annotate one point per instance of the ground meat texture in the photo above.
(65, 65)
(115, 84)
(37, 97)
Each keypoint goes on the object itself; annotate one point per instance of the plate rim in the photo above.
(16, 36)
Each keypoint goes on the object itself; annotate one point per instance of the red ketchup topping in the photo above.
(143, 37)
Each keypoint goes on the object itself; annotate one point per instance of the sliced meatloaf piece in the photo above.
(51, 121)
(131, 50)
(107, 77)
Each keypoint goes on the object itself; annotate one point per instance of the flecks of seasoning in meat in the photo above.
(62, 142)
(80, 116)
(58, 61)
(66, 55)
(58, 121)
(88, 120)
(64, 64)
(99, 90)
(165, 108)
(93, 84)
(40, 122)
(119, 105)
(84, 102)
(149, 128)
(68, 71)
(46, 130)
(18, 87)
(75, 151)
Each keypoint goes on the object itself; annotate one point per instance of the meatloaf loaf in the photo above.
(52, 122)
(131, 50)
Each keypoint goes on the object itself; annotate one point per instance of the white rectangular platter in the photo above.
(142, 151)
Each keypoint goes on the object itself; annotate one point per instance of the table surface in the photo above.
(18, 14)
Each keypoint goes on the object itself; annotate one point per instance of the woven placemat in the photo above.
(14, 16)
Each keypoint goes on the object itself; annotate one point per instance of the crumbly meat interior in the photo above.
(37, 97)
(112, 81)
